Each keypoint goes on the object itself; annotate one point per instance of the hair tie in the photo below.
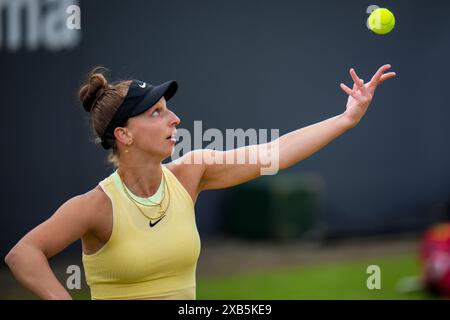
(99, 94)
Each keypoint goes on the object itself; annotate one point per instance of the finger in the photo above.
(355, 77)
(386, 76)
(348, 91)
(356, 89)
(357, 80)
(377, 76)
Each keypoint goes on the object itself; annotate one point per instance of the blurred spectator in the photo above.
(435, 258)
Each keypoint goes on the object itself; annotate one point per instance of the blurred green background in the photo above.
(323, 281)
(286, 271)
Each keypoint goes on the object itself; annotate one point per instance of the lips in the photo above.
(172, 137)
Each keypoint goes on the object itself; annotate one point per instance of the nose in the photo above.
(174, 120)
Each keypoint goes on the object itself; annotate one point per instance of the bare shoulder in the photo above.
(89, 211)
(188, 172)
(96, 199)
(96, 206)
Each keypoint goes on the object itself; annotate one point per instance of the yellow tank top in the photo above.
(143, 262)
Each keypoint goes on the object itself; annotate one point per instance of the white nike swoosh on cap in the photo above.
(142, 86)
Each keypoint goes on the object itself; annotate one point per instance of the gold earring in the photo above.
(128, 145)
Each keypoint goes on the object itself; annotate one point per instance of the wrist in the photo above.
(347, 121)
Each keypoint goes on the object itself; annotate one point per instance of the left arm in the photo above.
(292, 147)
(300, 144)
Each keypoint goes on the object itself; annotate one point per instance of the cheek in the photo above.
(149, 133)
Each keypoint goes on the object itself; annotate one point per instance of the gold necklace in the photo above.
(153, 204)
(161, 212)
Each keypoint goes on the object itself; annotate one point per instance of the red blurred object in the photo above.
(435, 257)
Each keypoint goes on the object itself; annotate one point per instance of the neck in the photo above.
(142, 180)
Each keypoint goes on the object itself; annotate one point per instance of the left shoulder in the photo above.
(188, 172)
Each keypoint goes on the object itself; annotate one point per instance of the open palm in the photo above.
(360, 97)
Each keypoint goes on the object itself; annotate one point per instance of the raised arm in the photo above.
(216, 172)
(28, 259)
(300, 144)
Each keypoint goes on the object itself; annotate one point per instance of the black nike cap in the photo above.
(141, 96)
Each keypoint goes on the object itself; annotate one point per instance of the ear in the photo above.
(123, 135)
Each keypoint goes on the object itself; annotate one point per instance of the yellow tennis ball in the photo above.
(381, 21)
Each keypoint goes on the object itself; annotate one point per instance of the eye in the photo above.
(155, 113)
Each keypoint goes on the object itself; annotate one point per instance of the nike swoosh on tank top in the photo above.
(143, 262)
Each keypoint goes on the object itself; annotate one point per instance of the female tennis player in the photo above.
(137, 226)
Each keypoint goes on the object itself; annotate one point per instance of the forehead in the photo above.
(161, 103)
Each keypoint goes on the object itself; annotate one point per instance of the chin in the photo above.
(167, 152)
(163, 151)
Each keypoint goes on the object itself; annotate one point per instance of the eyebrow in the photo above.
(157, 106)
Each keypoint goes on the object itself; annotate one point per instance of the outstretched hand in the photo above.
(360, 97)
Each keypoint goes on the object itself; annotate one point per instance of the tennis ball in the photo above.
(381, 21)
